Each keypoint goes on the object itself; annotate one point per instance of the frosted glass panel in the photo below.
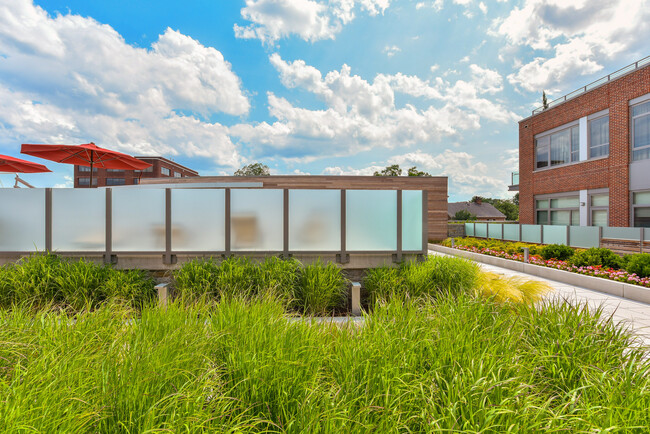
(622, 233)
(256, 221)
(600, 200)
(531, 233)
(78, 219)
(480, 230)
(138, 220)
(22, 219)
(371, 217)
(642, 198)
(198, 220)
(411, 220)
(469, 229)
(315, 220)
(494, 231)
(511, 232)
(565, 202)
(554, 234)
(583, 236)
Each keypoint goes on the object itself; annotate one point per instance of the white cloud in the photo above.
(575, 37)
(483, 7)
(69, 182)
(391, 50)
(131, 96)
(360, 115)
(311, 20)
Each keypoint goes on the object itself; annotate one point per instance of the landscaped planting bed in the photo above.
(597, 262)
(444, 347)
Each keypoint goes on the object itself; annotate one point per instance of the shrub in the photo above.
(596, 256)
(638, 264)
(321, 289)
(556, 251)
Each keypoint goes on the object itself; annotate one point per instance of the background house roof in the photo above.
(483, 210)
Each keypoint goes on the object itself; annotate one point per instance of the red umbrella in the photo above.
(11, 164)
(85, 155)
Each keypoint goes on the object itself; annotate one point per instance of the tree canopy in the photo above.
(254, 169)
(395, 170)
(463, 214)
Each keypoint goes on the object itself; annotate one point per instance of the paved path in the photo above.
(628, 313)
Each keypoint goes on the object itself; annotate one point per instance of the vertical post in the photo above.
(356, 298)
(502, 227)
(526, 255)
(167, 259)
(343, 255)
(108, 255)
(425, 222)
(453, 242)
(541, 234)
(474, 229)
(600, 236)
(568, 235)
(519, 232)
(48, 220)
(227, 219)
(398, 256)
(285, 228)
(641, 239)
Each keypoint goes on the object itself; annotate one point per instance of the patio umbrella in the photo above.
(88, 155)
(16, 165)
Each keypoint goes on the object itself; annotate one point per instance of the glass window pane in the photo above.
(642, 198)
(315, 220)
(411, 220)
(575, 144)
(371, 220)
(575, 218)
(600, 200)
(560, 147)
(198, 219)
(542, 217)
(78, 219)
(138, 220)
(565, 202)
(641, 109)
(599, 137)
(642, 217)
(541, 153)
(22, 219)
(599, 217)
(642, 132)
(542, 203)
(256, 221)
(561, 218)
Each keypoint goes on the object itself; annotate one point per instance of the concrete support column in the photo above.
(584, 210)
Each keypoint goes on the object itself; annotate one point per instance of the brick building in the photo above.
(161, 168)
(585, 160)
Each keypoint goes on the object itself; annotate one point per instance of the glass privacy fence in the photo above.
(206, 222)
(575, 236)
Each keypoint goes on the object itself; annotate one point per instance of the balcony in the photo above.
(514, 182)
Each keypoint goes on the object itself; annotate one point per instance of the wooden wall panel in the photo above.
(436, 186)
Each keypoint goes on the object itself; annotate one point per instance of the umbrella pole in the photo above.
(90, 185)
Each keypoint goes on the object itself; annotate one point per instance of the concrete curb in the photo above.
(612, 287)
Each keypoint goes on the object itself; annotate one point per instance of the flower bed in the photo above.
(595, 270)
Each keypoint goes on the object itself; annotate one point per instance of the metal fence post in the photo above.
(641, 239)
(398, 256)
(425, 223)
(519, 232)
(568, 235)
(541, 234)
(285, 224)
(342, 256)
(526, 255)
(227, 223)
(168, 258)
(108, 254)
(48, 220)
(600, 236)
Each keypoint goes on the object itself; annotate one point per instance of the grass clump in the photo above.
(47, 280)
(512, 289)
(453, 363)
(321, 289)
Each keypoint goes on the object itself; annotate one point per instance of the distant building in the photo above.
(484, 212)
(161, 168)
(584, 160)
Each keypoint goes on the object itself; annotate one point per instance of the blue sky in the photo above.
(304, 86)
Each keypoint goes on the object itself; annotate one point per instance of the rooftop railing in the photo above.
(595, 84)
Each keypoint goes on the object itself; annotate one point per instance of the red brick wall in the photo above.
(611, 172)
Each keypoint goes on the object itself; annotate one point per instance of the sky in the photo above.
(303, 86)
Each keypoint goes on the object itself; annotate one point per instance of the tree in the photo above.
(413, 171)
(254, 169)
(393, 170)
(463, 214)
(515, 199)
(544, 100)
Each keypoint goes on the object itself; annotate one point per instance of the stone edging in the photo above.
(613, 287)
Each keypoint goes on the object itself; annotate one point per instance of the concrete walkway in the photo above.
(628, 313)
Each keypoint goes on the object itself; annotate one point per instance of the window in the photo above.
(136, 181)
(86, 169)
(164, 171)
(599, 209)
(85, 180)
(147, 170)
(599, 137)
(641, 131)
(641, 209)
(561, 210)
(115, 170)
(115, 181)
(177, 175)
(561, 147)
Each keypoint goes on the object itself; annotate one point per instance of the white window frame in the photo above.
(574, 156)
(548, 210)
(632, 118)
(162, 171)
(591, 118)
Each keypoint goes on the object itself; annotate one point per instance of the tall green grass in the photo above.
(456, 363)
(41, 280)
